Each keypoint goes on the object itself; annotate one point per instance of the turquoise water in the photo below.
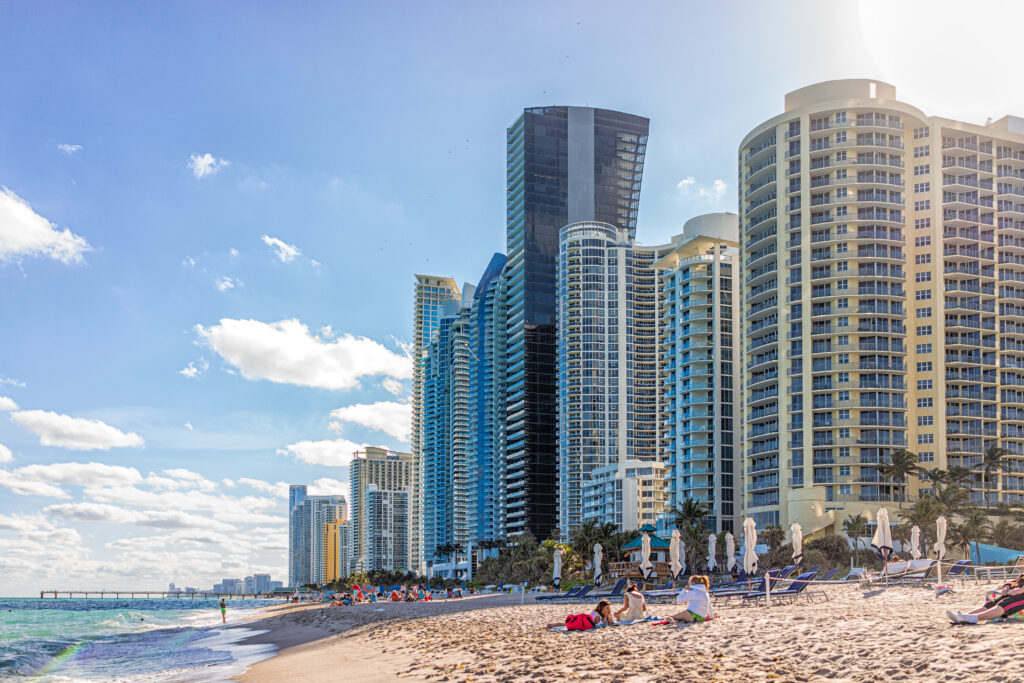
(124, 640)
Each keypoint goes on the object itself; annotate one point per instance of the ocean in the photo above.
(125, 640)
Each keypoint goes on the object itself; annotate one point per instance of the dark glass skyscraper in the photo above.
(564, 165)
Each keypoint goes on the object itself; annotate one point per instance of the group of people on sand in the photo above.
(695, 598)
(1007, 601)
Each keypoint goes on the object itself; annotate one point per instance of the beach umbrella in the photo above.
(749, 543)
(882, 540)
(646, 566)
(940, 542)
(730, 551)
(556, 574)
(673, 555)
(598, 551)
(915, 542)
(798, 543)
(712, 546)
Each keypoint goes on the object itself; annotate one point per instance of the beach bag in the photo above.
(578, 622)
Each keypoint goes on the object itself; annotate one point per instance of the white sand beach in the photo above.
(896, 633)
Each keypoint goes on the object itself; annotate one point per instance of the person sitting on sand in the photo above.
(697, 600)
(633, 605)
(1009, 602)
(601, 616)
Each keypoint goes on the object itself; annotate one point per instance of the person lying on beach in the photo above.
(633, 605)
(1006, 604)
(697, 600)
(601, 616)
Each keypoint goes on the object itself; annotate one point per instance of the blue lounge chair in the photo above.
(958, 570)
(615, 592)
(568, 594)
(771, 574)
(830, 574)
(796, 588)
(786, 571)
(740, 579)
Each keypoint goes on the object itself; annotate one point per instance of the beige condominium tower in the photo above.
(882, 301)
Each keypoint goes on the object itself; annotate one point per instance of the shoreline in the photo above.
(896, 633)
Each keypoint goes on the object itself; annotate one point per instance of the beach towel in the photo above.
(992, 595)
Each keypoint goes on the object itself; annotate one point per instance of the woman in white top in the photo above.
(697, 600)
(633, 605)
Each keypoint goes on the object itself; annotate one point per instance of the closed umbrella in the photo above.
(882, 540)
(556, 573)
(798, 543)
(673, 555)
(598, 552)
(940, 542)
(712, 547)
(730, 551)
(915, 542)
(749, 543)
(646, 566)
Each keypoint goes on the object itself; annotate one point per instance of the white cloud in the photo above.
(191, 478)
(285, 352)
(157, 519)
(392, 386)
(28, 487)
(689, 187)
(330, 453)
(394, 419)
(194, 369)
(233, 251)
(330, 487)
(285, 252)
(225, 283)
(313, 262)
(12, 382)
(23, 232)
(68, 149)
(7, 404)
(278, 489)
(203, 165)
(188, 426)
(76, 433)
(5, 454)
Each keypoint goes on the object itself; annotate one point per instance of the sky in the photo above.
(211, 215)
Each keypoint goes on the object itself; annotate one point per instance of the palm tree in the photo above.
(902, 533)
(923, 514)
(975, 526)
(695, 540)
(1005, 534)
(901, 464)
(992, 463)
(773, 535)
(957, 538)
(855, 527)
(690, 512)
(951, 498)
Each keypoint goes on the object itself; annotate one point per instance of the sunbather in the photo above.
(697, 600)
(601, 616)
(633, 605)
(1007, 603)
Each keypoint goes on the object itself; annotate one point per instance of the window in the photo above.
(844, 489)
(843, 339)
(924, 384)
(922, 223)
(842, 321)
(842, 302)
(844, 451)
(842, 284)
(926, 456)
(842, 266)
(924, 312)
(922, 241)
(843, 377)
(923, 295)
(923, 169)
(924, 331)
(924, 348)
(842, 247)
(923, 277)
(925, 402)
(920, 133)
(923, 205)
(924, 366)
(921, 259)
(925, 420)
(922, 187)
(840, 156)
(926, 438)
(840, 117)
(841, 136)
(844, 470)
(844, 414)
(844, 432)
(921, 151)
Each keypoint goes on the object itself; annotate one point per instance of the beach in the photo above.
(859, 634)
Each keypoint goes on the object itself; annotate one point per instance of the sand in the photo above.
(895, 633)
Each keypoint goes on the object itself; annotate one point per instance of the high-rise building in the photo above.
(385, 543)
(856, 207)
(387, 471)
(261, 583)
(335, 556)
(564, 165)
(699, 334)
(296, 494)
(306, 540)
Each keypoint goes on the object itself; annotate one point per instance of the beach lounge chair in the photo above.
(727, 595)
(856, 574)
(786, 571)
(584, 593)
(796, 588)
(958, 570)
(917, 571)
(614, 592)
(568, 594)
(829, 575)
(740, 579)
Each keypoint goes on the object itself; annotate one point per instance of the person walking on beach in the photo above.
(223, 611)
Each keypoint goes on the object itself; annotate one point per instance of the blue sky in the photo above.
(212, 214)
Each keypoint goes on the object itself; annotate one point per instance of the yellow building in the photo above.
(335, 555)
(882, 300)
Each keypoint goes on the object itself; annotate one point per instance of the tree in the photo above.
(902, 464)
(923, 513)
(992, 463)
(902, 533)
(690, 512)
(1006, 534)
(951, 499)
(773, 535)
(976, 527)
(855, 527)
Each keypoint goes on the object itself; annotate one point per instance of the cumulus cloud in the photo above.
(278, 489)
(233, 251)
(76, 433)
(287, 353)
(330, 453)
(285, 252)
(7, 404)
(5, 454)
(393, 386)
(23, 486)
(203, 165)
(68, 149)
(689, 187)
(326, 486)
(157, 519)
(188, 426)
(194, 368)
(23, 232)
(188, 262)
(394, 419)
(225, 283)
